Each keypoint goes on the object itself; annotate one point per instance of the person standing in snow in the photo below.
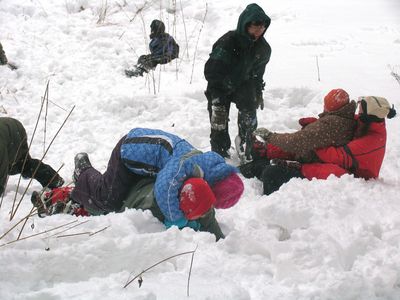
(234, 73)
(144, 153)
(163, 49)
(362, 156)
(15, 157)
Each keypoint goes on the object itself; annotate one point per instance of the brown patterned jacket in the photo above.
(334, 128)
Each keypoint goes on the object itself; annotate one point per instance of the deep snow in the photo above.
(333, 239)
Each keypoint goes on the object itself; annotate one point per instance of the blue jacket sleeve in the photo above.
(168, 183)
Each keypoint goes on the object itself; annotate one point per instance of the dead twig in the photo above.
(197, 42)
(51, 142)
(36, 234)
(156, 264)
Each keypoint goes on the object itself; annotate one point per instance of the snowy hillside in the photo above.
(333, 239)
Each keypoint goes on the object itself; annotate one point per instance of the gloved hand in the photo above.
(262, 133)
(289, 164)
(260, 101)
(182, 223)
(306, 121)
(219, 117)
(259, 148)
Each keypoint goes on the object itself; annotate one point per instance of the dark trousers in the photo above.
(105, 192)
(245, 99)
(273, 177)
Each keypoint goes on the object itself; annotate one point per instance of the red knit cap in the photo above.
(228, 191)
(336, 99)
(196, 198)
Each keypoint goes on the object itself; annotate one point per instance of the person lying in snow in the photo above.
(15, 157)
(196, 200)
(362, 157)
(167, 158)
(163, 49)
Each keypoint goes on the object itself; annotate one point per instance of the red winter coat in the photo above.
(362, 156)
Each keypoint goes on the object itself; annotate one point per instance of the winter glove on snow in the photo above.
(219, 116)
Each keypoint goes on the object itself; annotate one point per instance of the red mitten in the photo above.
(305, 121)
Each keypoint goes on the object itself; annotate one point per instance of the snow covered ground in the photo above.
(333, 239)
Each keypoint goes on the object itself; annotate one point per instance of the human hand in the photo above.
(262, 134)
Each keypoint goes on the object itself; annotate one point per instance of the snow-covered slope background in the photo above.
(333, 239)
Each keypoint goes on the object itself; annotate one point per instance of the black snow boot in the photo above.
(82, 163)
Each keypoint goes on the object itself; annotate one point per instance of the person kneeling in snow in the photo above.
(362, 157)
(163, 49)
(164, 157)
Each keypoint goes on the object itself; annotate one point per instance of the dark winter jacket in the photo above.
(152, 152)
(163, 47)
(3, 58)
(236, 59)
(15, 158)
(334, 128)
(142, 197)
(12, 147)
(362, 156)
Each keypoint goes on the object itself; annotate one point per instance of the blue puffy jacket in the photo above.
(152, 152)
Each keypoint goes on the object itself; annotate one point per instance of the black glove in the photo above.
(260, 101)
(289, 164)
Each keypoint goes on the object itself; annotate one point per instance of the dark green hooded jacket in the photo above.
(236, 60)
(13, 147)
(142, 197)
(14, 151)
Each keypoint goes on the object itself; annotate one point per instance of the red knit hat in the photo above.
(228, 191)
(196, 198)
(336, 99)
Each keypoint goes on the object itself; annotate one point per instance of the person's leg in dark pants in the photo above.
(247, 123)
(273, 177)
(105, 192)
(219, 139)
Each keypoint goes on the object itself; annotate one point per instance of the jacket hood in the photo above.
(157, 27)
(253, 12)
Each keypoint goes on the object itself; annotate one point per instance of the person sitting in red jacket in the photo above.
(362, 157)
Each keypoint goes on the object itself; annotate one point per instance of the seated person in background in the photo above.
(363, 156)
(196, 202)
(163, 49)
(15, 157)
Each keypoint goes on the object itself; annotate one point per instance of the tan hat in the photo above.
(375, 106)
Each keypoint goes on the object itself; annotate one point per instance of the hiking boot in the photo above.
(138, 71)
(82, 163)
